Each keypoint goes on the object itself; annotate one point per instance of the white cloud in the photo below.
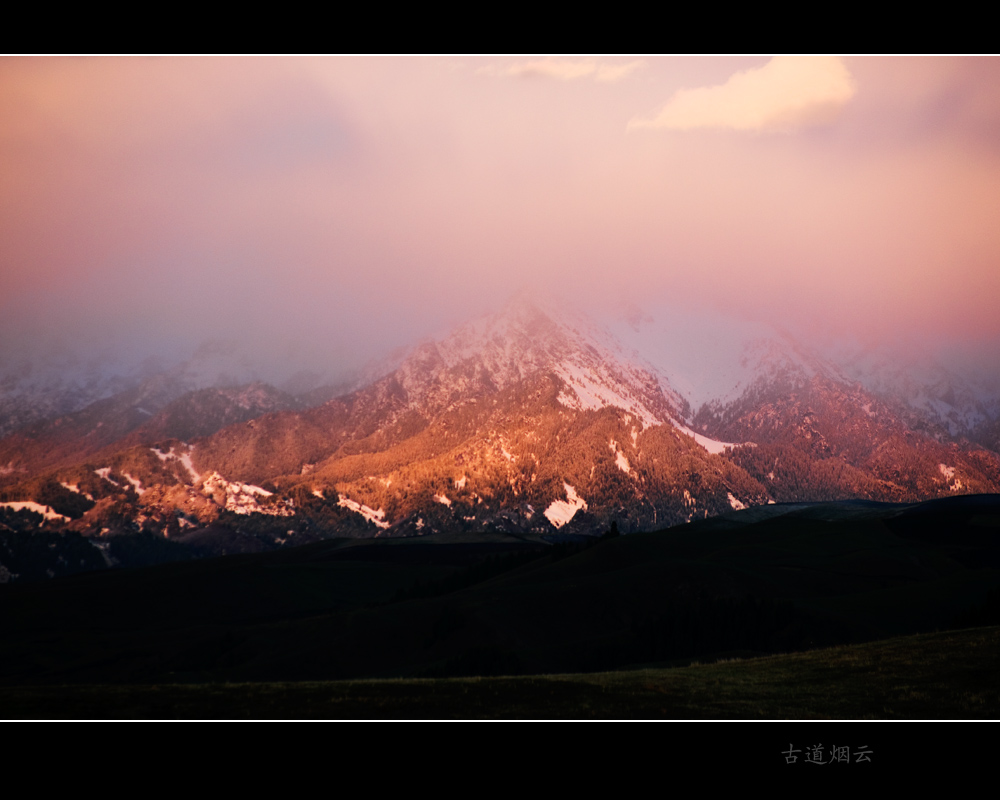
(786, 94)
(564, 70)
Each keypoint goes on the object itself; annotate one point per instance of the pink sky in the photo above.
(350, 202)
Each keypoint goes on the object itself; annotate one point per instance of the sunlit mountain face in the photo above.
(535, 421)
(248, 303)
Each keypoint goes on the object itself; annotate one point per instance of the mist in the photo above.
(324, 211)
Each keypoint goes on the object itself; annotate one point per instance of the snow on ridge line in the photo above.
(370, 514)
(560, 512)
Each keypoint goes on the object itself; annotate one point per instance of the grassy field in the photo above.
(950, 675)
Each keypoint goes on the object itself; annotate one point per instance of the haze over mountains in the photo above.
(534, 421)
(349, 203)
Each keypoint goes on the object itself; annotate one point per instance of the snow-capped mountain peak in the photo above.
(525, 339)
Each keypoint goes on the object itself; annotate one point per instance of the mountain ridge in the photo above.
(534, 420)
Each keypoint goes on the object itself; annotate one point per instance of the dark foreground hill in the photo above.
(767, 580)
(950, 675)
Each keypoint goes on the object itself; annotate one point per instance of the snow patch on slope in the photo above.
(75, 488)
(184, 459)
(620, 461)
(588, 391)
(242, 498)
(712, 445)
(560, 512)
(370, 514)
(38, 508)
(948, 473)
(136, 484)
(105, 472)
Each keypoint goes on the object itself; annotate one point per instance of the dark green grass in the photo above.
(951, 675)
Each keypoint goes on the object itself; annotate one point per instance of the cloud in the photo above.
(786, 94)
(563, 70)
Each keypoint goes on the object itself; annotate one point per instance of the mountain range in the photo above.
(535, 422)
